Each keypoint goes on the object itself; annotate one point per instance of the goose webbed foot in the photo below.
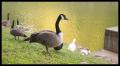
(45, 53)
(47, 49)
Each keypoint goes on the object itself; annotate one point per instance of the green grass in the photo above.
(20, 52)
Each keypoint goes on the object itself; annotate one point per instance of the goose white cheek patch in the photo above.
(62, 17)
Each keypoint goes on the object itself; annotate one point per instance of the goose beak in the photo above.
(66, 18)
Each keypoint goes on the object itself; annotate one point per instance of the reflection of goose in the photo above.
(16, 32)
(49, 38)
(6, 22)
(72, 46)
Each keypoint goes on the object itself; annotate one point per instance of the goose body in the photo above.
(72, 46)
(49, 38)
(6, 22)
(21, 27)
(16, 32)
(51, 41)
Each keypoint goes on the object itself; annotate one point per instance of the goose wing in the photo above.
(48, 38)
(16, 32)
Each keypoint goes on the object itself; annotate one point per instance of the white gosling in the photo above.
(72, 46)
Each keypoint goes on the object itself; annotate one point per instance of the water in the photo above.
(87, 20)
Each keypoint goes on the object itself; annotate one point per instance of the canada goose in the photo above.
(72, 46)
(6, 23)
(16, 32)
(49, 38)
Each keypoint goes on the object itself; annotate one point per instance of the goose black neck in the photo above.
(57, 25)
(17, 22)
(12, 24)
(7, 16)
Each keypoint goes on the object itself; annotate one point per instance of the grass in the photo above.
(20, 52)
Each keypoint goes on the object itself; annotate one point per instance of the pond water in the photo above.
(87, 20)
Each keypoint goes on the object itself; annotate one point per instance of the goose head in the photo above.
(58, 47)
(74, 40)
(33, 38)
(63, 17)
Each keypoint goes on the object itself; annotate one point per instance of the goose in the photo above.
(48, 38)
(72, 46)
(6, 23)
(16, 32)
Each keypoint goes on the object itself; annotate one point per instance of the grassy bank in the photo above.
(20, 52)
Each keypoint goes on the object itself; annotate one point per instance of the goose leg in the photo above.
(47, 50)
(18, 37)
(15, 37)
